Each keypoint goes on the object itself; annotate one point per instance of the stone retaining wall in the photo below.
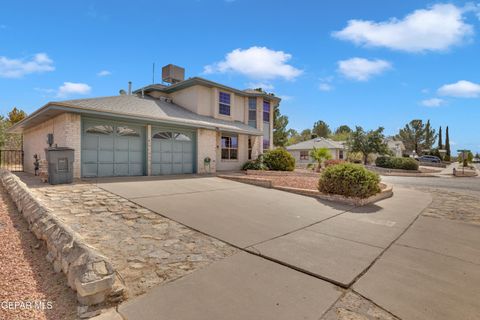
(254, 181)
(387, 192)
(89, 273)
(282, 173)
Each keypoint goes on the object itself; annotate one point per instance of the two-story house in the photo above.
(183, 126)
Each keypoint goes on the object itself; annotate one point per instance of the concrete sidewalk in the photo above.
(239, 287)
(431, 272)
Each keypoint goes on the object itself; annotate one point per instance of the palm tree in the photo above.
(320, 155)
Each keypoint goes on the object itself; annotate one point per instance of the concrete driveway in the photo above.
(298, 252)
(297, 231)
(237, 213)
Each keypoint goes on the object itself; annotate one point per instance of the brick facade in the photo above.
(66, 129)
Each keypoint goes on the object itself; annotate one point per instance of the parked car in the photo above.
(431, 159)
(476, 160)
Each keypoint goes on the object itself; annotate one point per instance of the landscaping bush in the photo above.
(256, 164)
(333, 162)
(396, 163)
(350, 180)
(383, 162)
(279, 159)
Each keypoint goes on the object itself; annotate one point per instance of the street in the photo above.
(463, 184)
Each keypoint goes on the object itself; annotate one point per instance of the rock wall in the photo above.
(89, 273)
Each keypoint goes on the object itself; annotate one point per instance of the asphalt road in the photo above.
(469, 184)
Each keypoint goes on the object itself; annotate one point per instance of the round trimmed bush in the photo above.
(279, 159)
(396, 163)
(350, 180)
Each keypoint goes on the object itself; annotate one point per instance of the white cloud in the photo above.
(361, 69)
(17, 68)
(104, 73)
(461, 89)
(72, 88)
(324, 86)
(433, 102)
(256, 63)
(263, 85)
(285, 97)
(434, 29)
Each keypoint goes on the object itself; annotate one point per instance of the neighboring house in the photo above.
(301, 151)
(395, 146)
(157, 130)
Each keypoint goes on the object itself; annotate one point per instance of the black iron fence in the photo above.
(11, 160)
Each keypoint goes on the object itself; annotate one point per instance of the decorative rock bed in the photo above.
(88, 272)
(262, 180)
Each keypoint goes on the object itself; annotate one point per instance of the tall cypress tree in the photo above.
(447, 145)
(440, 141)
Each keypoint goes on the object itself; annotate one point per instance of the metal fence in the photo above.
(11, 160)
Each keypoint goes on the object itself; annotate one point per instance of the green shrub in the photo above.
(350, 180)
(279, 159)
(396, 163)
(383, 162)
(256, 164)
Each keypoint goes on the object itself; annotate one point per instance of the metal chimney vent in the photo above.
(173, 74)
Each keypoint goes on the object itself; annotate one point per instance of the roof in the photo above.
(316, 143)
(201, 81)
(137, 108)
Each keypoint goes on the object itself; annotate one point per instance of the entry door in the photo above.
(112, 149)
(172, 151)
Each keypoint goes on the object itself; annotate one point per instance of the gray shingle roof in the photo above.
(155, 109)
(317, 143)
(204, 82)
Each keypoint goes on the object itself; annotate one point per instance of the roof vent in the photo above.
(173, 74)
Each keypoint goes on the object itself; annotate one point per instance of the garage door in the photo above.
(172, 151)
(112, 149)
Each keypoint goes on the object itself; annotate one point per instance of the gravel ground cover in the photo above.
(454, 205)
(301, 182)
(26, 277)
(354, 307)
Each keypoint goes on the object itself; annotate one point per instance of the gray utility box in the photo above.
(60, 164)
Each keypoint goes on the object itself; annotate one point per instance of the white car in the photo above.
(476, 160)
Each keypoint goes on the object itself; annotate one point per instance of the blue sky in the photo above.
(368, 63)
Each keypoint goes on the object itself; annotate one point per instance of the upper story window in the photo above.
(266, 111)
(252, 112)
(224, 103)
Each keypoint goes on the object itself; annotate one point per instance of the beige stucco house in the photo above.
(185, 126)
(301, 150)
(396, 147)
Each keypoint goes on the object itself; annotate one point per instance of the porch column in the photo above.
(149, 150)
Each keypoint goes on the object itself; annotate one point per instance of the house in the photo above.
(184, 126)
(395, 146)
(301, 151)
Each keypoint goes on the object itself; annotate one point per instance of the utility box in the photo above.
(60, 164)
